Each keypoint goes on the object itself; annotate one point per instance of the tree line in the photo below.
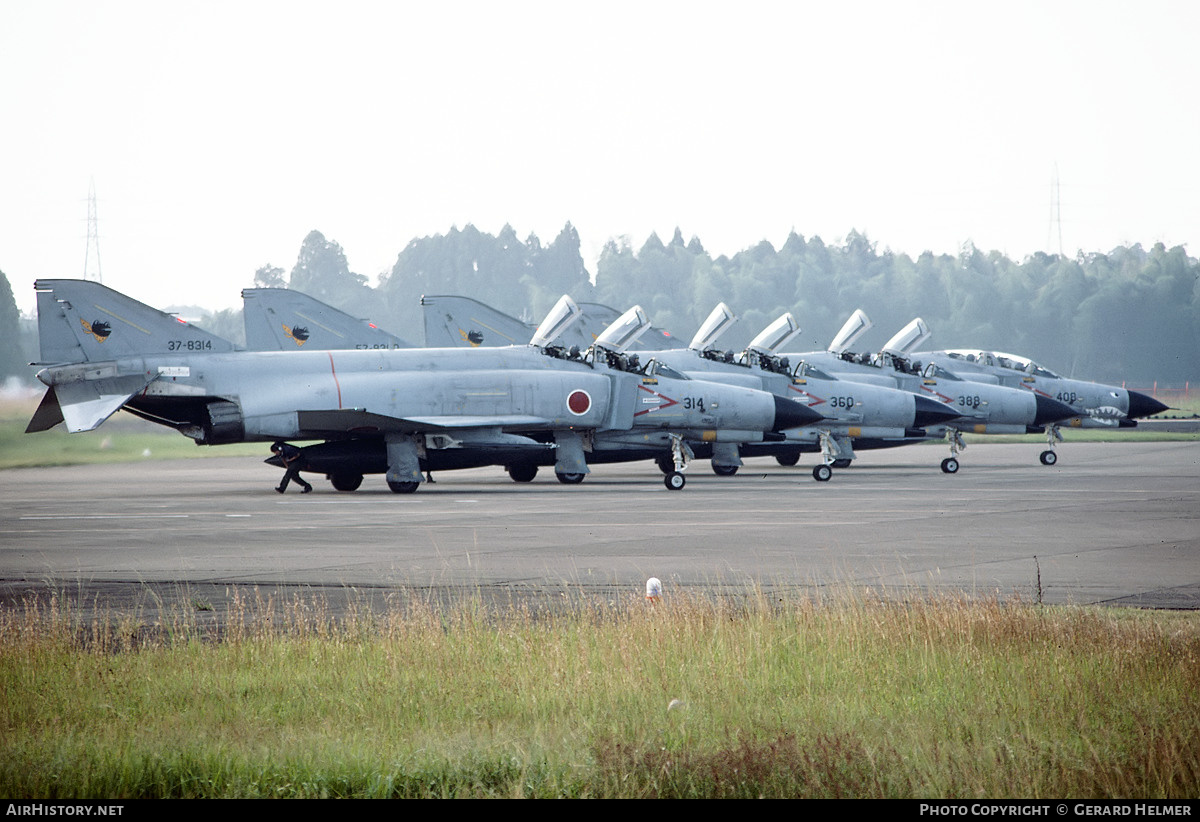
(1131, 314)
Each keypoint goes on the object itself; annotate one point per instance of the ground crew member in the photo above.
(290, 455)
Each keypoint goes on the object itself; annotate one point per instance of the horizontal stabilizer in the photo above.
(84, 405)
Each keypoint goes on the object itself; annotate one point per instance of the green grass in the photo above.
(852, 696)
(122, 438)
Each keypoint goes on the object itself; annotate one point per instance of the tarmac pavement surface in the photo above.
(1111, 524)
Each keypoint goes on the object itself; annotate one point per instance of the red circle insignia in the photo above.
(579, 402)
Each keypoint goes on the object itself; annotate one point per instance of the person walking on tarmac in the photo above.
(290, 455)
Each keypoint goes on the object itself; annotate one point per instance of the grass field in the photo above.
(123, 438)
(848, 697)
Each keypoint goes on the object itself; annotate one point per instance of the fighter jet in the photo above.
(984, 408)
(874, 415)
(1096, 405)
(279, 319)
(403, 409)
(452, 321)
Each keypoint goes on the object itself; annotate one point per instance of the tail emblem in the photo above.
(473, 337)
(98, 329)
(297, 333)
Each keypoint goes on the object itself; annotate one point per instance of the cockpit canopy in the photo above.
(1012, 362)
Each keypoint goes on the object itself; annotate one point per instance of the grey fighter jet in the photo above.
(875, 415)
(408, 410)
(984, 408)
(1096, 405)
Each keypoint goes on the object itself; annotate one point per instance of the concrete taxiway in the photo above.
(1111, 523)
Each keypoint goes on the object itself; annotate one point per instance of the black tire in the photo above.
(950, 465)
(1049, 458)
(822, 473)
(345, 480)
(841, 463)
(570, 479)
(674, 481)
(788, 460)
(665, 463)
(522, 473)
(724, 470)
(403, 487)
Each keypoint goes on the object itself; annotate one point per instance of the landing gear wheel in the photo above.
(345, 480)
(674, 481)
(403, 487)
(665, 463)
(570, 479)
(788, 460)
(1049, 458)
(522, 473)
(950, 465)
(822, 473)
(841, 463)
(724, 470)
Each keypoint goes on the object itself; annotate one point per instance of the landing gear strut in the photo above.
(1048, 457)
(950, 463)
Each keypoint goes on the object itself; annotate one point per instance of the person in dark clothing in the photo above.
(290, 455)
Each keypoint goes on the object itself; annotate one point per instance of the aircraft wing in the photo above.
(360, 421)
(85, 404)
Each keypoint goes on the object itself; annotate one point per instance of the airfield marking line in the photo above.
(109, 516)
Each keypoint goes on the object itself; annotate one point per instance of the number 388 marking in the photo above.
(970, 401)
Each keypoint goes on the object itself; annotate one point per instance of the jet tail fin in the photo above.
(459, 322)
(83, 321)
(280, 319)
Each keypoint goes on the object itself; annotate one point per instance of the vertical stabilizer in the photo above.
(83, 321)
(280, 319)
(460, 322)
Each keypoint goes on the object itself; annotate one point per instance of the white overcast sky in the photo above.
(218, 134)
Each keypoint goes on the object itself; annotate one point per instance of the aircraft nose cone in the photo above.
(1051, 410)
(790, 414)
(931, 412)
(1141, 405)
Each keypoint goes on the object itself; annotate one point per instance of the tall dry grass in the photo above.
(697, 696)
